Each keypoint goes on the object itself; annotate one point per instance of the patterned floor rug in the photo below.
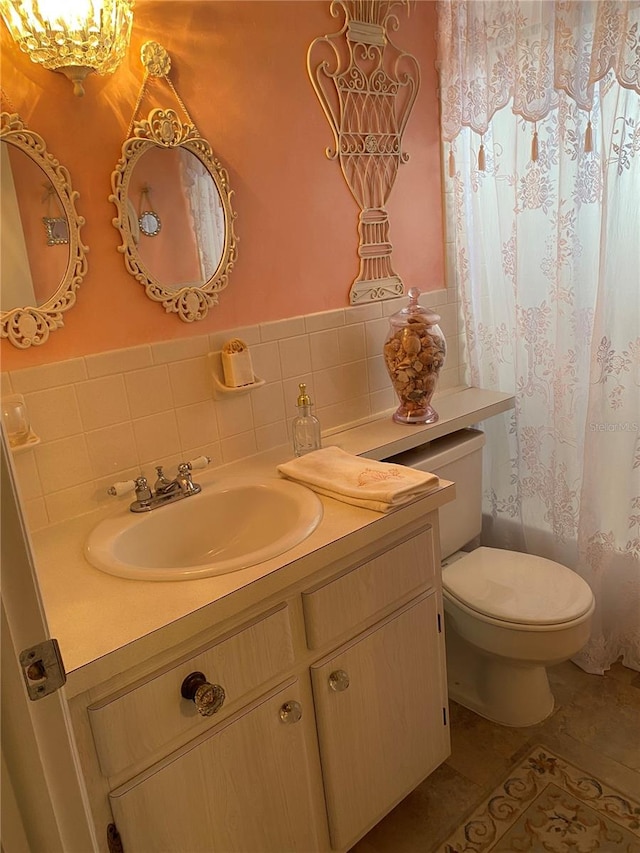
(549, 806)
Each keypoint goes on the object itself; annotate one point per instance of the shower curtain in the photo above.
(541, 134)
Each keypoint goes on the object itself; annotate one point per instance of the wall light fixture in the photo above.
(74, 37)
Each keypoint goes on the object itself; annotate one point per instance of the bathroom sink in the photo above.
(229, 526)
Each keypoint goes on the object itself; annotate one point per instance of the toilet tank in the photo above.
(456, 457)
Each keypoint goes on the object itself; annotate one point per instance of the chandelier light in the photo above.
(74, 37)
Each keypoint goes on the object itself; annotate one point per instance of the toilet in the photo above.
(508, 615)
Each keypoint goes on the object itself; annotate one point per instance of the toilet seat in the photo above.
(517, 588)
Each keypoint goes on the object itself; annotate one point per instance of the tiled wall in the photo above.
(109, 416)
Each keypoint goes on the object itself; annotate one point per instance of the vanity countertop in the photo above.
(105, 624)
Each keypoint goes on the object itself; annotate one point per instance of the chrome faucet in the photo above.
(164, 491)
(182, 482)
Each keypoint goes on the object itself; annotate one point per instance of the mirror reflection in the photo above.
(174, 215)
(34, 239)
(179, 206)
(42, 258)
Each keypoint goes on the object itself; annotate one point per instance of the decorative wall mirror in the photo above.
(174, 206)
(43, 259)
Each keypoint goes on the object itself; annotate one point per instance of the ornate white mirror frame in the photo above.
(30, 325)
(367, 87)
(164, 129)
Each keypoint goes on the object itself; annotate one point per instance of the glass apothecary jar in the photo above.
(414, 354)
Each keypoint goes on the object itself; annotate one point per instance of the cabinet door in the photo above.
(380, 707)
(245, 787)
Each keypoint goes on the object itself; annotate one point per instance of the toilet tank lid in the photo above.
(441, 451)
(517, 587)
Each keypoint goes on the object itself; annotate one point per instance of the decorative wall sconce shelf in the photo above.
(219, 386)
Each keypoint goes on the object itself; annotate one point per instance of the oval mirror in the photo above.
(174, 215)
(43, 260)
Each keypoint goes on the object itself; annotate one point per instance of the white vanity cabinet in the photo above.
(335, 709)
(380, 713)
(244, 787)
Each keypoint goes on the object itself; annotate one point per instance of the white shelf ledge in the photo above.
(457, 408)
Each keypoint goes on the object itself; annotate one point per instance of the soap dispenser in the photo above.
(306, 427)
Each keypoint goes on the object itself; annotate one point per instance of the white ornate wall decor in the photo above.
(367, 87)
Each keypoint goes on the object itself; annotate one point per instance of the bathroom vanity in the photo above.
(327, 665)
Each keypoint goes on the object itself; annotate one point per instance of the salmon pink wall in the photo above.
(240, 68)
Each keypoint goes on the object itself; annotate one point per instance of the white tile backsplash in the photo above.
(114, 415)
(54, 412)
(48, 375)
(197, 425)
(234, 415)
(325, 349)
(344, 412)
(103, 402)
(280, 329)
(156, 437)
(271, 435)
(112, 449)
(190, 381)
(238, 446)
(6, 387)
(266, 361)
(28, 477)
(118, 361)
(68, 503)
(324, 320)
(63, 463)
(363, 313)
(149, 391)
(166, 352)
(267, 404)
(295, 356)
(375, 336)
(337, 384)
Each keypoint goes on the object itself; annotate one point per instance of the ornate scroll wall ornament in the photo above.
(367, 87)
(215, 247)
(29, 325)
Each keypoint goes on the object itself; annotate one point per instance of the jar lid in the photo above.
(414, 312)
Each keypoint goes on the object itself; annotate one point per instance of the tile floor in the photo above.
(595, 725)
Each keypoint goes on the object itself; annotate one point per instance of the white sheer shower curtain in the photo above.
(541, 125)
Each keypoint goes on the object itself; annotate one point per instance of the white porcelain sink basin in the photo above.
(228, 526)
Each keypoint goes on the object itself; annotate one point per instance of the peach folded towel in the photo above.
(374, 485)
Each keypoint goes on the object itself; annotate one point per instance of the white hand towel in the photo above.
(374, 485)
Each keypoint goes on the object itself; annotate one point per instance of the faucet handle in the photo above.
(122, 487)
(199, 462)
(143, 492)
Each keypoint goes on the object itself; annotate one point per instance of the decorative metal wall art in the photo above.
(367, 87)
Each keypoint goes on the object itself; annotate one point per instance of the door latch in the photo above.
(42, 669)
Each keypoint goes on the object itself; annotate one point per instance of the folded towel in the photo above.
(363, 482)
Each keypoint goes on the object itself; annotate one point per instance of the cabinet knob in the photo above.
(291, 712)
(338, 680)
(208, 698)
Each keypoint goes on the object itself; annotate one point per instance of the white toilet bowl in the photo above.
(508, 616)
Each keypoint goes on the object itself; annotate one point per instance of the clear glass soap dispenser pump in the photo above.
(306, 427)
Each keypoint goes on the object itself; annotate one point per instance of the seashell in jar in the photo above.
(411, 344)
